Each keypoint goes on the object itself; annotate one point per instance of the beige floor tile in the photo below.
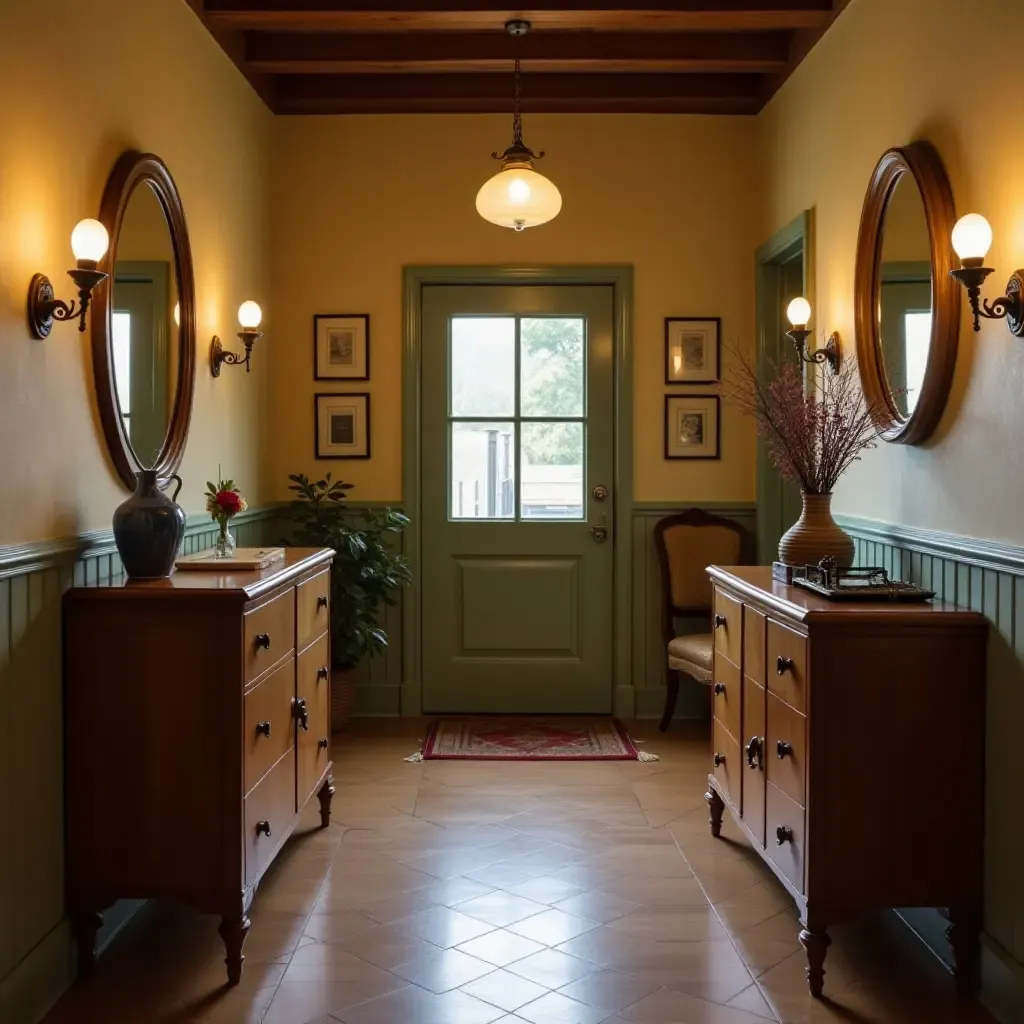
(672, 924)
(753, 905)
(385, 946)
(329, 927)
(555, 1008)
(552, 969)
(505, 990)
(594, 905)
(657, 891)
(605, 946)
(441, 970)
(501, 947)
(609, 989)
(414, 1005)
(296, 1002)
(552, 927)
(751, 1000)
(501, 908)
(670, 1007)
(443, 926)
(545, 890)
(709, 970)
(770, 942)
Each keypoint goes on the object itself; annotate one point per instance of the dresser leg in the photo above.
(86, 926)
(671, 697)
(717, 808)
(325, 795)
(963, 936)
(815, 941)
(233, 931)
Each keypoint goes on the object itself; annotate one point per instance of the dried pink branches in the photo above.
(812, 436)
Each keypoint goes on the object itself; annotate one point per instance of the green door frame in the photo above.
(795, 238)
(620, 278)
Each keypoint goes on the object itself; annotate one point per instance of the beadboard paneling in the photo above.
(988, 578)
(648, 653)
(35, 950)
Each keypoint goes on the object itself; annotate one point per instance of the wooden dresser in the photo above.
(197, 727)
(849, 745)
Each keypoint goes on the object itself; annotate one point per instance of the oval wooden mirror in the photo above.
(907, 307)
(144, 321)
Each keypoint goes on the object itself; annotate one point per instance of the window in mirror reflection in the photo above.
(122, 334)
(918, 334)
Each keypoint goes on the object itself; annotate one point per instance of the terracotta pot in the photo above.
(815, 535)
(343, 697)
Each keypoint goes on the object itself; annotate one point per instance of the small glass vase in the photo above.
(225, 546)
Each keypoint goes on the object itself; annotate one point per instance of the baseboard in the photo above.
(412, 700)
(377, 701)
(625, 702)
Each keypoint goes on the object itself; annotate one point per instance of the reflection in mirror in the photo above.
(905, 299)
(143, 327)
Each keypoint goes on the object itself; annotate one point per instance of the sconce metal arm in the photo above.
(1009, 307)
(830, 353)
(219, 356)
(43, 308)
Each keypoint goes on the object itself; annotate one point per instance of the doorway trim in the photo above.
(620, 279)
(796, 237)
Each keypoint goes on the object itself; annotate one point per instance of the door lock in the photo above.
(600, 532)
(600, 493)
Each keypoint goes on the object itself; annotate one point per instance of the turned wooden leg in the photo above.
(671, 697)
(815, 941)
(963, 936)
(233, 931)
(85, 927)
(325, 795)
(717, 808)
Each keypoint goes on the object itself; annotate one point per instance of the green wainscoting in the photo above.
(648, 653)
(988, 577)
(36, 964)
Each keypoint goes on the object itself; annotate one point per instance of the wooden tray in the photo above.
(244, 558)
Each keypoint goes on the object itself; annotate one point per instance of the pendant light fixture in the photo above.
(518, 196)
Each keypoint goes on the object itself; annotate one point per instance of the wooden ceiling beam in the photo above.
(491, 93)
(484, 15)
(348, 53)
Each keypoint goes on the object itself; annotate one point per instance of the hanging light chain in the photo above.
(517, 116)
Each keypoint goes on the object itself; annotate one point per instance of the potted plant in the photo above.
(813, 435)
(366, 575)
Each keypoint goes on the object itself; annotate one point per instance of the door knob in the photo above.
(600, 493)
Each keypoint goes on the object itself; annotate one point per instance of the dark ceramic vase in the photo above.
(148, 529)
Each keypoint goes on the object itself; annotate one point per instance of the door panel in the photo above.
(517, 427)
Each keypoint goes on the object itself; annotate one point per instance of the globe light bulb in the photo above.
(972, 237)
(177, 314)
(249, 315)
(798, 312)
(89, 241)
(519, 191)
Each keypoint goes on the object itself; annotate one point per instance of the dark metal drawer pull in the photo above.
(321, 602)
(754, 748)
(263, 828)
(321, 673)
(719, 760)
(719, 621)
(263, 640)
(719, 688)
(301, 712)
(782, 748)
(783, 834)
(783, 665)
(323, 743)
(263, 727)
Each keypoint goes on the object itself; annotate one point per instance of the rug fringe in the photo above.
(645, 758)
(418, 756)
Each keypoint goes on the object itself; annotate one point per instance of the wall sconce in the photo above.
(249, 317)
(798, 313)
(89, 243)
(972, 239)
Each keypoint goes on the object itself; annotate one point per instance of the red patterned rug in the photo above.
(530, 739)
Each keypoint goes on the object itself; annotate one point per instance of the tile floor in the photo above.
(552, 893)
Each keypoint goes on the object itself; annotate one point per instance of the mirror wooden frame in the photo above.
(921, 161)
(134, 170)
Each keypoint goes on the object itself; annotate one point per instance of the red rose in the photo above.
(229, 502)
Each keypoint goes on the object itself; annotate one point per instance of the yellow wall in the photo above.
(358, 198)
(79, 88)
(888, 72)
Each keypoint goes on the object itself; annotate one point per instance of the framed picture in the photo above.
(692, 350)
(691, 426)
(341, 346)
(342, 426)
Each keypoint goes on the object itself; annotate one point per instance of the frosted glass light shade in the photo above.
(249, 315)
(972, 237)
(798, 312)
(518, 197)
(89, 240)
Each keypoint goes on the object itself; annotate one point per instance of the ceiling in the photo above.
(593, 56)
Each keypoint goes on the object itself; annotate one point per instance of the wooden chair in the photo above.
(687, 543)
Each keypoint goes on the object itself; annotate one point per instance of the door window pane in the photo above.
(483, 470)
(552, 366)
(483, 368)
(918, 333)
(121, 322)
(552, 470)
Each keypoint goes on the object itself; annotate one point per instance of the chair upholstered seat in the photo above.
(693, 654)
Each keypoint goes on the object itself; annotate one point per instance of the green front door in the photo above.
(517, 529)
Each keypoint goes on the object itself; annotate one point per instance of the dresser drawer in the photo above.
(787, 665)
(753, 732)
(786, 749)
(728, 626)
(753, 644)
(726, 695)
(785, 834)
(312, 608)
(271, 805)
(314, 742)
(269, 634)
(726, 764)
(269, 722)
